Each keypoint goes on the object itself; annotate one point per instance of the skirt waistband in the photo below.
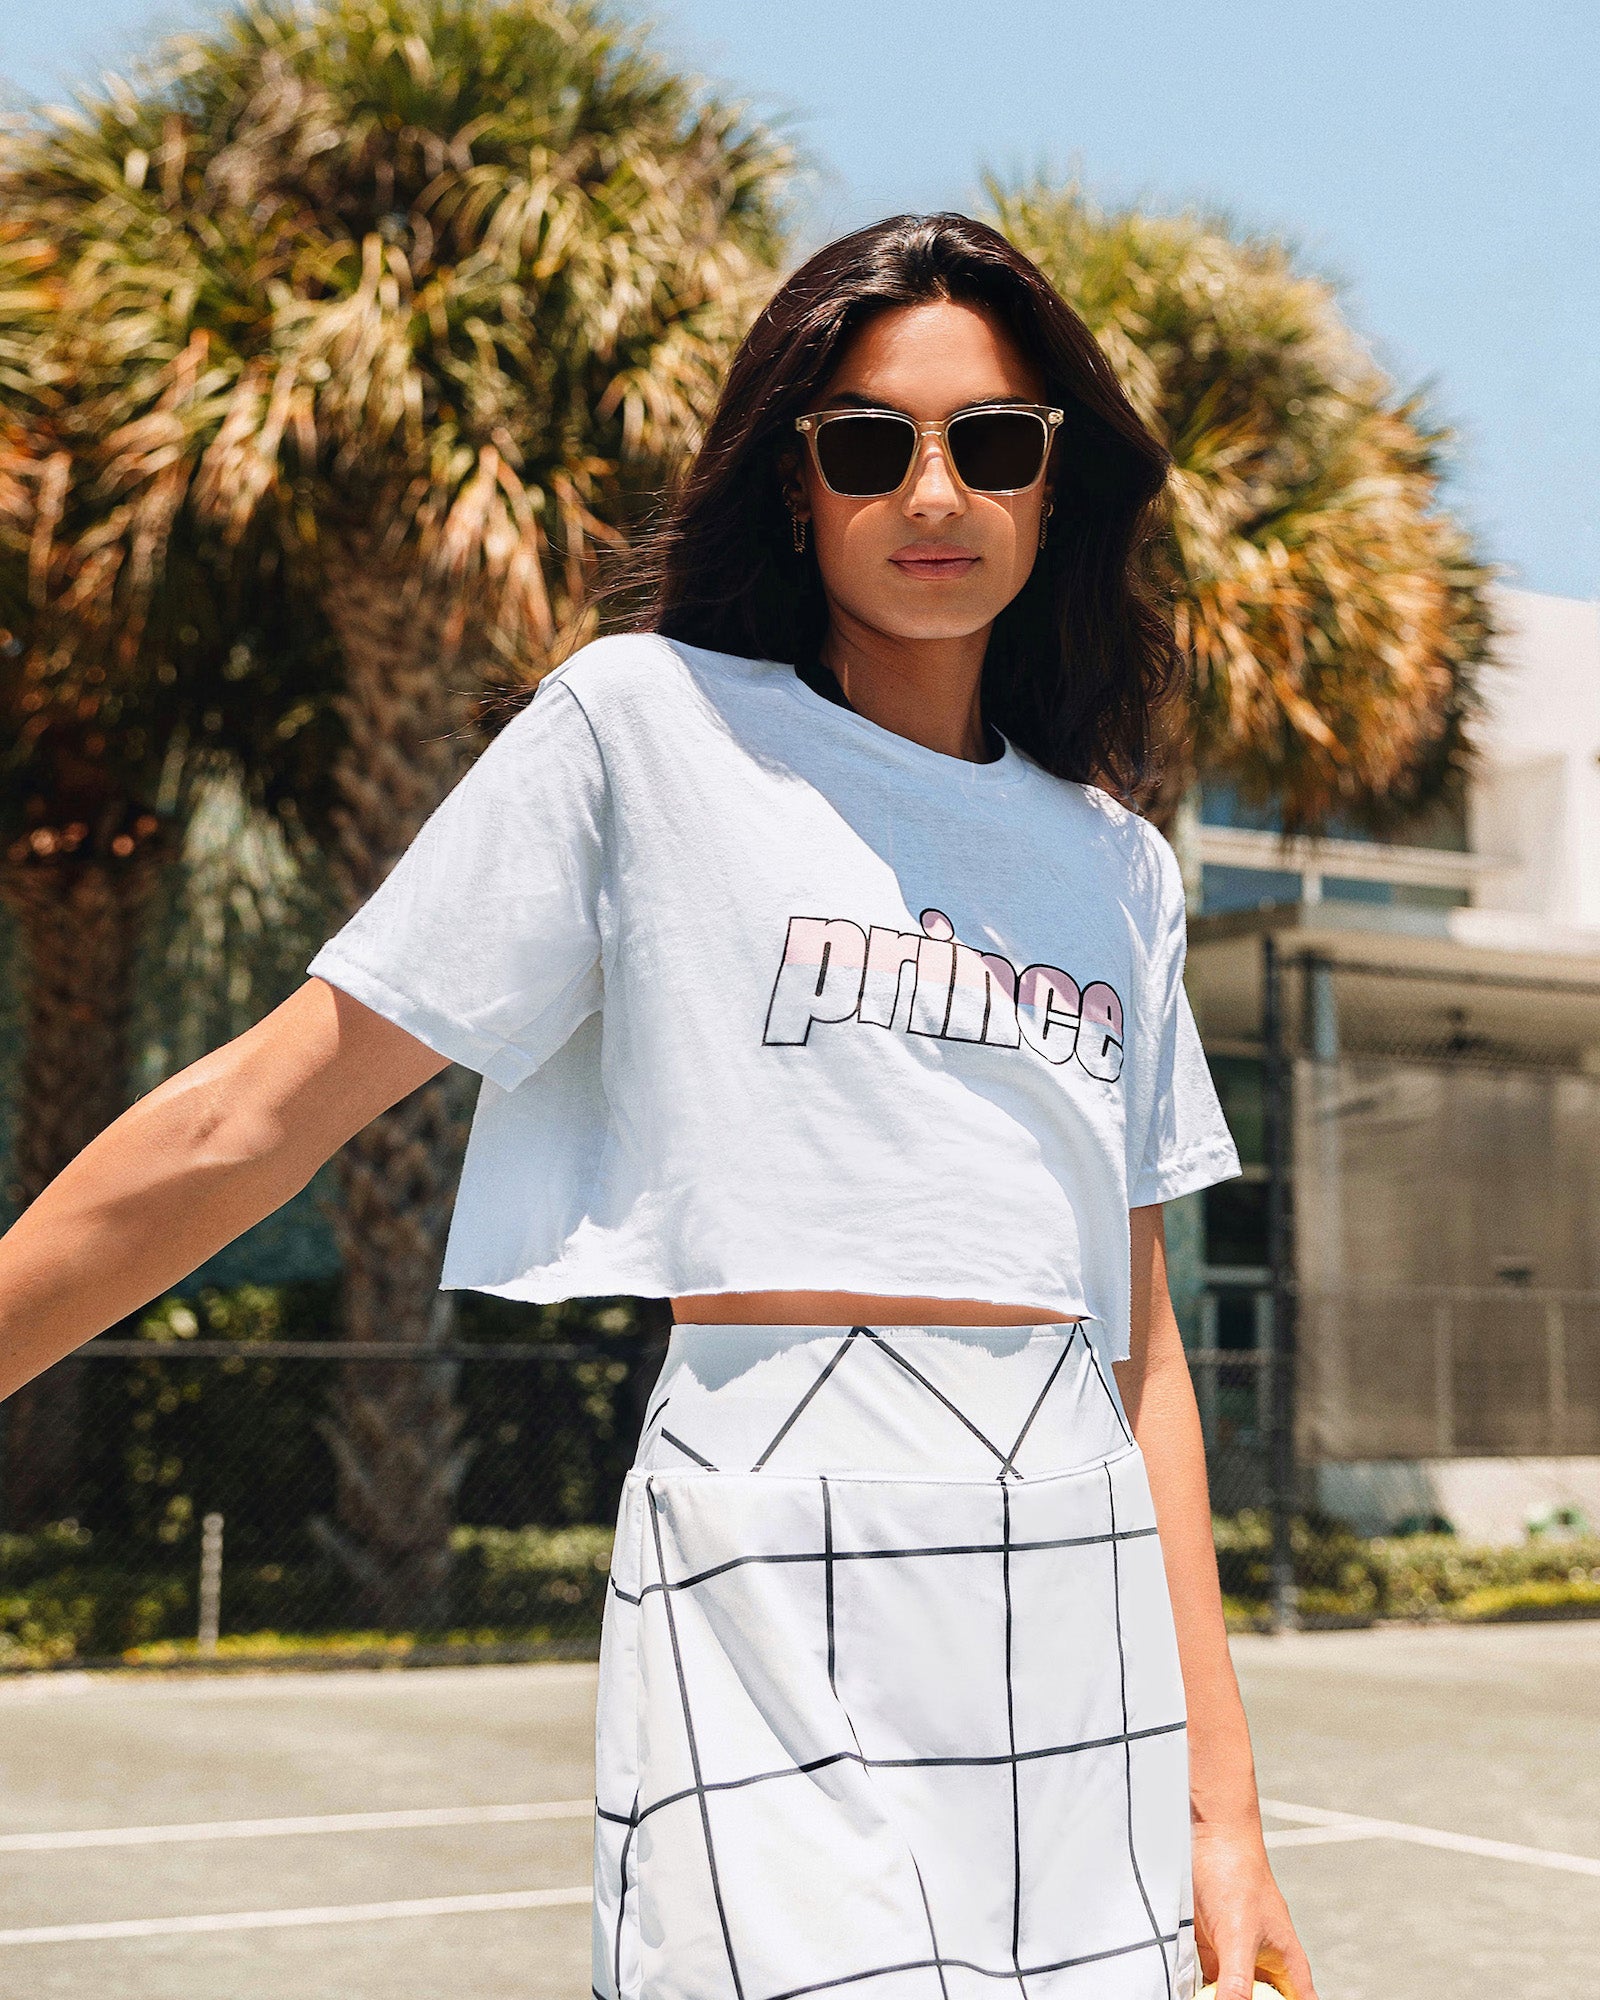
(923, 1402)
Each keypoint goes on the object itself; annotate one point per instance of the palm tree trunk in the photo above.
(79, 917)
(395, 1426)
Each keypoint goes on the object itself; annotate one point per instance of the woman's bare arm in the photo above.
(192, 1166)
(1241, 1919)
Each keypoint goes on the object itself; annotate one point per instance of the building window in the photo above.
(1226, 887)
(1236, 1210)
(1240, 1083)
(1221, 805)
(1441, 825)
(1398, 895)
(1239, 1328)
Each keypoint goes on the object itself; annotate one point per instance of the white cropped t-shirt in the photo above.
(767, 997)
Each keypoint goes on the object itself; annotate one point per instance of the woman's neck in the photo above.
(929, 691)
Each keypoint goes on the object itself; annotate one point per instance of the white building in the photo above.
(1440, 1001)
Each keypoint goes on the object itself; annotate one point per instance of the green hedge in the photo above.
(59, 1602)
(62, 1598)
(513, 1578)
(1343, 1575)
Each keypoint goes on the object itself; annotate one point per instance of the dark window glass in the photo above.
(1442, 825)
(1227, 888)
(1221, 805)
(1240, 1091)
(1238, 1319)
(1397, 895)
(1236, 1223)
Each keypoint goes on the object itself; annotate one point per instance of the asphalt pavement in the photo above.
(1434, 1814)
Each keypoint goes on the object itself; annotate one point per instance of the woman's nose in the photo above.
(934, 490)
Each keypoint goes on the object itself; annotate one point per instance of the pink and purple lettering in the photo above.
(824, 959)
(890, 954)
(1100, 1036)
(1049, 1009)
(928, 983)
(983, 991)
(936, 975)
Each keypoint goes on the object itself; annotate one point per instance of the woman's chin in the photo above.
(925, 619)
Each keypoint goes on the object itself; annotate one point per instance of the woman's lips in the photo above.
(933, 560)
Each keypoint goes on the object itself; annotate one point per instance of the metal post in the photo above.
(1322, 1009)
(1206, 1389)
(1555, 1334)
(210, 1581)
(1444, 1379)
(1280, 1473)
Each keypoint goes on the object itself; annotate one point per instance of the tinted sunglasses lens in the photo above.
(997, 451)
(865, 454)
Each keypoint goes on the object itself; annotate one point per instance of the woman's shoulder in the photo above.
(612, 675)
(1126, 824)
(1132, 850)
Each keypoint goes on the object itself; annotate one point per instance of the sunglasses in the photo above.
(992, 447)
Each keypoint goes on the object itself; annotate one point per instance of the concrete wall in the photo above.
(1536, 796)
(1487, 1500)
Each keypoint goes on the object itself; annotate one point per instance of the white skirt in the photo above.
(890, 1703)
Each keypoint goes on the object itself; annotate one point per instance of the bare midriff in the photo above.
(854, 1309)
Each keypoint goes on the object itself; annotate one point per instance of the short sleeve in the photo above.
(483, 941)
(1183, 1142)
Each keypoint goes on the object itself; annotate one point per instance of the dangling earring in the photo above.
(798, 524)
(1044, 519)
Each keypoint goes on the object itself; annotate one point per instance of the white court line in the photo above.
(1320, 1826)
(266, 1829)
(274, 1920)
(1322, 1836)
(1359, 1826)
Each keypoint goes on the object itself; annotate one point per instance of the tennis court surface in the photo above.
(414, 1835)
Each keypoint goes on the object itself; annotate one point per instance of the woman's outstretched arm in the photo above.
(1242, 1923)
(192, 1166)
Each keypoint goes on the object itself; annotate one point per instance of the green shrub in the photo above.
(25, 1558)
(1341, 1574)
(1572, 1598)
(1332, 1564)
(519, 1577)
(1429, 1575)
(88, 1613)
(65, 1596)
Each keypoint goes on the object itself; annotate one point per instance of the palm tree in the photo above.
(76, 875)
(80, 846)
(101, 747)
(422, 293)
(1335, 616)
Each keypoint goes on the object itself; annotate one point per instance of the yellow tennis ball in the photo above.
(1260, 1991)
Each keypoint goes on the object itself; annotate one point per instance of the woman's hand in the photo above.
(1241, 1922)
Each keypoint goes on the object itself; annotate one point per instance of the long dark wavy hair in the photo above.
(1081, 661)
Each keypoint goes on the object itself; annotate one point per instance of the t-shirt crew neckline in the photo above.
(998, 774)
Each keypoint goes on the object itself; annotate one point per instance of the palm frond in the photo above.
(471, 267)
(1334, 613)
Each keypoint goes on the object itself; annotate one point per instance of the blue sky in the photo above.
(1437, 156)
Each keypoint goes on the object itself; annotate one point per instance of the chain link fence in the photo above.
(240, 1436)
(247, 1434)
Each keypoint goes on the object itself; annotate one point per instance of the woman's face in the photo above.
(935, 560)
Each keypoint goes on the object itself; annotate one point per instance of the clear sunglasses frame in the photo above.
(1048, 415)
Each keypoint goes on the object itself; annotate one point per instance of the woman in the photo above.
(819, 984)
